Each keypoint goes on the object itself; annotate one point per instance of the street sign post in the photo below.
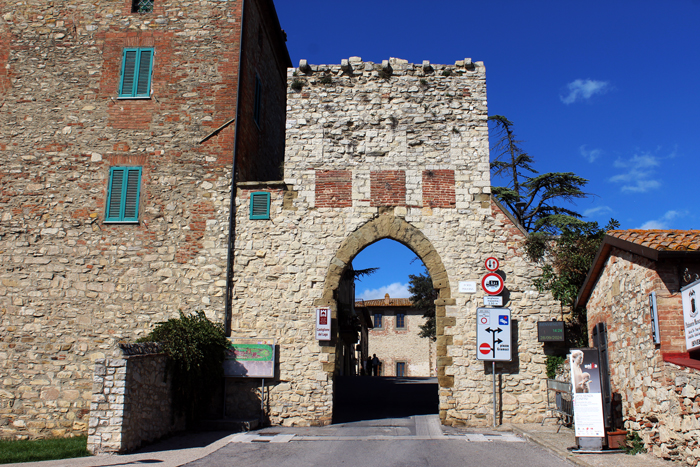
(493, 341)
(493, 334)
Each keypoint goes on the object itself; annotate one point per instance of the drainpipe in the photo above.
(232, 210)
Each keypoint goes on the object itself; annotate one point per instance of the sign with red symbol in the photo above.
(323, 324)
(491, 264)
(485, 348)
(492, 283)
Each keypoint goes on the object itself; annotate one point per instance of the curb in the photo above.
(566, 455)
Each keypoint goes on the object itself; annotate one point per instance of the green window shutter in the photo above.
(123, 194)
(260, 205)
(137, 66)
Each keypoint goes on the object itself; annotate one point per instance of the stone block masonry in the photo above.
(71, 284)
(412, 143)
(132, 401)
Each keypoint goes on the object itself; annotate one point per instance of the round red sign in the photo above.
(485, 348)
(491, 264)
(492, 283)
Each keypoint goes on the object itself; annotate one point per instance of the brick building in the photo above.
(656, 380)
(395, 337)
(120, 125)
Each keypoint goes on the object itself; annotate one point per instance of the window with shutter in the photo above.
(260, 205)
(123, 194)
(137, 66)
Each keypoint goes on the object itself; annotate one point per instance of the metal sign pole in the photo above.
(493, 373)
(262, 403)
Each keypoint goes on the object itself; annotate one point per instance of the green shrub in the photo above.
(195, 347)
(297, 85)
(634, 444)
(553, 362)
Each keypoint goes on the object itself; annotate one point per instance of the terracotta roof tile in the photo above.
(386, 301)
(661, 240)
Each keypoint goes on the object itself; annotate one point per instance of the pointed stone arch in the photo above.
(395, 228)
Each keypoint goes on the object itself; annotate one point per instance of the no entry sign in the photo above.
(492, 283)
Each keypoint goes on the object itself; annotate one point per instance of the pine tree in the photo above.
(423, 297)
(532, 197)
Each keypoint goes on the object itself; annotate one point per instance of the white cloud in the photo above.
(598, 210)
(663, 222)
(639, 173)
(591, 155)
(584, 89)
(395, 290)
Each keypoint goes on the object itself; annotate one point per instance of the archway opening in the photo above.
(389, 369)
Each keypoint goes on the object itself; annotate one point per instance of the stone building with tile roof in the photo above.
(654, 380)
(395, 337)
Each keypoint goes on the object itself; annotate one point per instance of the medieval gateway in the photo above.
(370, 151)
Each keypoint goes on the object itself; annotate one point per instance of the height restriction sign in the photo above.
(493, 334)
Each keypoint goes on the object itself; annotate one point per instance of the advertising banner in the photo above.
(250, 358)
(691, 319)
(588, 400)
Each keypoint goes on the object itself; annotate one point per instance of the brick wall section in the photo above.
(388, 188)
(439, 188)
(659, 399)
(333, 188)
(72, 286)
(263, 57)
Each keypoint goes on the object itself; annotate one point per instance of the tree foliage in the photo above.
(195, 347)
(423, 297)
(569, 257)
(532, 197)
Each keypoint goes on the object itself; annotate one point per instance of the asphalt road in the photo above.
(381, 422)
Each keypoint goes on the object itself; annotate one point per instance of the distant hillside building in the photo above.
(395, 337)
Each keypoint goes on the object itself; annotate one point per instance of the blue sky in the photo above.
(608, 90)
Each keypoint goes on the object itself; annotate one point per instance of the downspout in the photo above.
(232, 211)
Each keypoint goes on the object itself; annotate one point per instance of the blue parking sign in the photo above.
(503, 319)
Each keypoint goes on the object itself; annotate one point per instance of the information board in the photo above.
(493, 334)
(588, 400)
(691, 319)
(550, 331)
(250, 358)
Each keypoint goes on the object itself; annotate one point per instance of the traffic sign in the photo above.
(491, 264)
(493, 300)
(492, 283)
(493, 334)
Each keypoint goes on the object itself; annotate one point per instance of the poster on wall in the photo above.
(691, 318)
(323, 324)
(250, 358)
(588, 400)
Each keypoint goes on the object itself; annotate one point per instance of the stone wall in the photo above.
(131, 401)
(71, 285)
(358, 128)
(660, 400)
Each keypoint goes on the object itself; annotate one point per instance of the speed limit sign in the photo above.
(491, 264)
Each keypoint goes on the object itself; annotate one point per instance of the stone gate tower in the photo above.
(391, 150)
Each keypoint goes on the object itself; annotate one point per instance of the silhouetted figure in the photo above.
(375, 365)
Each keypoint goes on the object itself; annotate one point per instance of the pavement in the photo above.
(185, 448)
